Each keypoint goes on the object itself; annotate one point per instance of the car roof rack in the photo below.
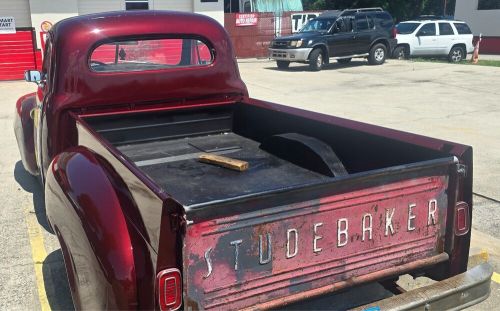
(353, 11)
(433, 17)
(348, 12)
(330, 13)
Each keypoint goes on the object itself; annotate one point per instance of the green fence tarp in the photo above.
(277, 6)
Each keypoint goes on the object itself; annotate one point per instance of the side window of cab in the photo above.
(46, 74)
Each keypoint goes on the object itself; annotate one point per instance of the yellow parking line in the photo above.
(39, 254)
(496, 277)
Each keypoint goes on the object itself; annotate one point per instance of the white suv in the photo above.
(451, 39)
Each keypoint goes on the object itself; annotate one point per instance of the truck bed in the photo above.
(173, 165)
(165, 146)
(282, 230)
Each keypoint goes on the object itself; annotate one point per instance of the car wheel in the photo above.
(316, 60)
(456, 55)
(282, 64)
(344, 60)
(377, 55)
(401, 52)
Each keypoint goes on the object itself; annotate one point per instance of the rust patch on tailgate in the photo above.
(241, 261)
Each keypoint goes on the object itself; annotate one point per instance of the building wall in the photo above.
(174, 5)
(486, 22)
(32, 13)
(51, 11)
(19, 9)
(213, 9)
(96, 6)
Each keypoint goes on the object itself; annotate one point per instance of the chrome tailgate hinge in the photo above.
(177, 222)
(462, 170)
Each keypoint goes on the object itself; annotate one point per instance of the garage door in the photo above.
(17, 54)
(16, 50)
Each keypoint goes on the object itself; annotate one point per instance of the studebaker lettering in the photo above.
(292, 237)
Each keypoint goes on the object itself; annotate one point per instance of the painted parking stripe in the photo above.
(496, 277)
(38, 255)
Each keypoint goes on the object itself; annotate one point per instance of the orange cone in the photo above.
(475, 56)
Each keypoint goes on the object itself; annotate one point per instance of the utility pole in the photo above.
(444, 7)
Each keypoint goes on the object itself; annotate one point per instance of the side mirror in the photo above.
(33, 76)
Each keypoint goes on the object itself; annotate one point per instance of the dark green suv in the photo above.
(340, 35)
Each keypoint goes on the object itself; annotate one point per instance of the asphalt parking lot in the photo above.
(453, 102)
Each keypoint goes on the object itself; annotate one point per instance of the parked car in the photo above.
(338, 35)
(438, 38)
(130, 105)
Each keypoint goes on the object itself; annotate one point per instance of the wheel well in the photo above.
(405, 45)
(384, 42)
(464, 48)
(324, 50)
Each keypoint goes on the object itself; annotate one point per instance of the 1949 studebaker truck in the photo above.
(127, 106)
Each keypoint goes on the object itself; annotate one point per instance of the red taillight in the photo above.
(462, 219)
(169, 289)
(394, 32)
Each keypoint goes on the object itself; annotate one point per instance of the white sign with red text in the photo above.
(249, 19)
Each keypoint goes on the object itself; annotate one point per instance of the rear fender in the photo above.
(107, 262)
(384, 42)
(23, 128)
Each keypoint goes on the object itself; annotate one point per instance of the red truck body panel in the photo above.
(119, 229)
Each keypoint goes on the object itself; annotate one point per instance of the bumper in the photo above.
(392, 45)
(455, 293)
(301, 54)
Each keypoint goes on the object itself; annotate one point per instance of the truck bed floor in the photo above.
(173, 165)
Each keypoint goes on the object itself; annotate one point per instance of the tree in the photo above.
(399, 9)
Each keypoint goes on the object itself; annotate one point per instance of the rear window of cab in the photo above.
(150, 54)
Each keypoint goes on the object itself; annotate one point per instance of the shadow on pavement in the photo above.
(31, 184)
(56, 282)
(331, 66)
(343, 299)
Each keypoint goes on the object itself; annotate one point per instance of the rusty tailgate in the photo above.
(271, 256)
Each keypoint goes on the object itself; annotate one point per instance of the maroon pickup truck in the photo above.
(128, 103)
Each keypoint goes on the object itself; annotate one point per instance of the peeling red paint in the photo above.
(314, 243)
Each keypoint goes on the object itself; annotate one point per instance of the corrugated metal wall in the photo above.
(253, 41)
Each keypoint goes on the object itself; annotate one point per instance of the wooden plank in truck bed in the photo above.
(174, 165)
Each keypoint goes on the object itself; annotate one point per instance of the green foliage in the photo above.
(399, 9)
